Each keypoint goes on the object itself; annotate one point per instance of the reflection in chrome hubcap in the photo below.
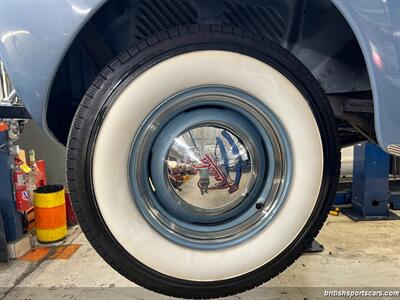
(210, 167)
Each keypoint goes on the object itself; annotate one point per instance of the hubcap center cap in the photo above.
(210, 168)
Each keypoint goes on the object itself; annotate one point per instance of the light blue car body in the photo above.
(33, 45)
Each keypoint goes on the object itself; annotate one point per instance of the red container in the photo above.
(71, 217)
(22, 200)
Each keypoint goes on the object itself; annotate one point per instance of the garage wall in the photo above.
(34, 138)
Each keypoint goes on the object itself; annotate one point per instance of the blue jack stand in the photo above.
(342, 198)
(370, 194)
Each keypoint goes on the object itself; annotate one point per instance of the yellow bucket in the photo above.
(50, 213)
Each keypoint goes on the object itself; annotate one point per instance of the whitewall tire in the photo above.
(112, 126)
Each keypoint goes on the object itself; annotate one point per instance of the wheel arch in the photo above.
(314, 31)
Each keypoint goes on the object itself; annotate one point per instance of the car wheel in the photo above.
(202, 161)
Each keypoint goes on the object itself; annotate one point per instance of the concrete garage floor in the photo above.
(364, 254)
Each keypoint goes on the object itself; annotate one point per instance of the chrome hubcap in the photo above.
(210, 167)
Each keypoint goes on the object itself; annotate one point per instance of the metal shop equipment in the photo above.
(12, 119)
(371, 197)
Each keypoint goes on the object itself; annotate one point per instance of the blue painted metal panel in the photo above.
(11, 218)
(370, 181)
(394, 201)
(376, 24)
(342, 198)
(3, 242)
(34, 37)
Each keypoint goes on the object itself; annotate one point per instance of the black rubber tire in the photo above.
(91, 112)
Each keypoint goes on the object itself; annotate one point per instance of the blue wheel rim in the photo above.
(218, 105)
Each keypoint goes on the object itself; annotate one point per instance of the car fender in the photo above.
(33, 45)
(376, 24)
